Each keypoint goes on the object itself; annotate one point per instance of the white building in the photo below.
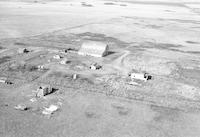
(140, 76)
(57, 57)
(3, 79)
(93, 48)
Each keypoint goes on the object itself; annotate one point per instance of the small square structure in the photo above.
(57, 57)
(23, 50)
(95, 66)
(44, 90)
(93, 48)
(74, 76)
(3, 79)
(64, 61)
(40, 67)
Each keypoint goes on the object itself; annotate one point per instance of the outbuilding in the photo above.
(95, 66)
(93, 48)
(57, 57)
(5, 80)
(44, 90)
(23, 50)
(140, 76)
(64, 61)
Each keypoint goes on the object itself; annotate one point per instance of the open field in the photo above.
(158, 37)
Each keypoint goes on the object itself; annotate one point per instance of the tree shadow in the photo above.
(54, 90)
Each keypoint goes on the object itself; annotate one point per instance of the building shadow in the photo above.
(110, 53)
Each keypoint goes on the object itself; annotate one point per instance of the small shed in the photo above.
(40, 67)
(64, 61)
(44, 90)
(23, 50)
(57, 57)
(93, 48)
(95, 66)
(70, 50)
(3, 79)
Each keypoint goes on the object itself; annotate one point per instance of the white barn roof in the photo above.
(93, 48)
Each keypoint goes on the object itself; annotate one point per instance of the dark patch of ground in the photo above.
(157, 3)
(4, 59)
(62, 39)
(110, 3)
(53, 40)
(192, 42)
(112, 42)
(90, 114)
(122, 111)
(22, 68)
(19, 71)
(164, 114)
(86, 5)
(193, 52)
(124, 5)
(190, 76)
(19, 43)
(151, 45)
(59, 74)
(154, 26)
(166, 46)
(169, 11)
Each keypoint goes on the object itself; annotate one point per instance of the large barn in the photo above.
(93, 48)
